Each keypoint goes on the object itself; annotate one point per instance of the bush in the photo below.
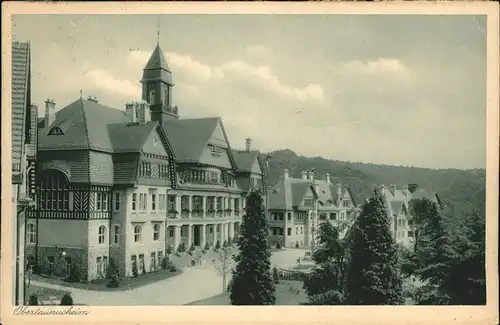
(67, 300)
(169, 249)
(135, 270)
(207, 246)
(226, 244)
(164, 262)
(181, 248)
(278, 245)
(230, 241)
(191, 249)
(113, 274)
(172, 268)
(331, 297)
(33, 300)
(297, 245)
(74, 274)
(217, 245)
(276, 276)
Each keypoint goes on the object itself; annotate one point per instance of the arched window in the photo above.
(137, 234)
(102, 235)
(156, 232)
(54, 191)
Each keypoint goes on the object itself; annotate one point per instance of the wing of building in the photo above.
(397, 201)
(23, 146)
(298, 205)
(135, 183)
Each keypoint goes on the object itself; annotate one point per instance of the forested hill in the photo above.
(462, 191)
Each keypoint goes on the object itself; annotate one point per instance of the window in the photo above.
(153, 261)
(56, 131)
(184, 202)
(289, 231)
(99, 265)
(215, 149)
(410, 233)
(143, 198)
(116, 234)
(145, 169)
(198, 203)
(296, 230)
(289, 216)
(54, 191)
(101, 202)
(137, 234)
(163, 171)
(134, 202)
(153, 202)
(160, 258)
(171, 203)
(151, 96)
(219, 203)
(308, 202)
(102, 235)
(31, 233)
(67, 266)
(170, 232)
(166, 99)
(333, 216)
(162, 202)
(156, 232)
(117, 201)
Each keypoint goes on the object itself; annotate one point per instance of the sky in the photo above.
(391, 89)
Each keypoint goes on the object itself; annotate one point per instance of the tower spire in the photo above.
(158, 32)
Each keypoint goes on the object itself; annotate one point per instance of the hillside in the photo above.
(462, 191)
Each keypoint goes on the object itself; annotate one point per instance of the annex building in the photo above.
(132, 184)
(298, 205)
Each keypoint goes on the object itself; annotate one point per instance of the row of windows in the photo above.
(54, 200)
(215, 149)
(212, 203)
(308, 202)
(157, 202)
(400, 234)
(277, 231)
(150, 170)
(209, 177)
(155, 262)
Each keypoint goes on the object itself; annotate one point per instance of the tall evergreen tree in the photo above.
(252, 282)
(373, 275)
(435, 256)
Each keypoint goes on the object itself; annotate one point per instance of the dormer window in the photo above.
(215, 149)
(56, 131)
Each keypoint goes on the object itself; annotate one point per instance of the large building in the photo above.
(397, 202)
(23, 146)
(298, 205)
(130, 185)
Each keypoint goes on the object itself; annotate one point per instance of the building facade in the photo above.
(298, 205)
(132, 185)
(23, 148)
(398, 206)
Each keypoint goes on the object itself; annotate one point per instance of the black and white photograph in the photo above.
(237, 159)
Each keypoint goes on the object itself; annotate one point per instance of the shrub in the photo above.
(191, 249)
(276, 275)
(164, 262)
(33, 300)
(74, 274)
(172, 268)
(135, 270)
(230, 241)
(169, 249)
(181, 248)
(67, 300)
(113, 274)
(226, 244)
(297, 245)
(207, 246)
(331, 297)
(278, 245)
(217, 245)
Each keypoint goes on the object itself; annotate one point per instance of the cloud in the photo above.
(102, 79)
(378, 66)
(257, 50)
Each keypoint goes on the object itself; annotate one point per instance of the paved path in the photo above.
(195, 283)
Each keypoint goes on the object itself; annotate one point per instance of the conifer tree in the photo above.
(373, 275)
(435, 256)
(252, 282)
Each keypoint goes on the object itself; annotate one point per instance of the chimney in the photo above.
(285, 173)
(339, 189)
(50, 112)
(393, 188)
(412, 187)
(248, 144)
(327, 178)
(407, 192)
(383, 189)
(304, 175)
(311, 176)
(130, 110)
(143, 112)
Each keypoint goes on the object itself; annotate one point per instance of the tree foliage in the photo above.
(252, 282)
(373, 275)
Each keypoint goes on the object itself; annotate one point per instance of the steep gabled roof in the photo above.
(20, 100)
(299, 189)
(130, 137)
(245, 159)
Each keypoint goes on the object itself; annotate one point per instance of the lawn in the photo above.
(287, 293)
(126, 283)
